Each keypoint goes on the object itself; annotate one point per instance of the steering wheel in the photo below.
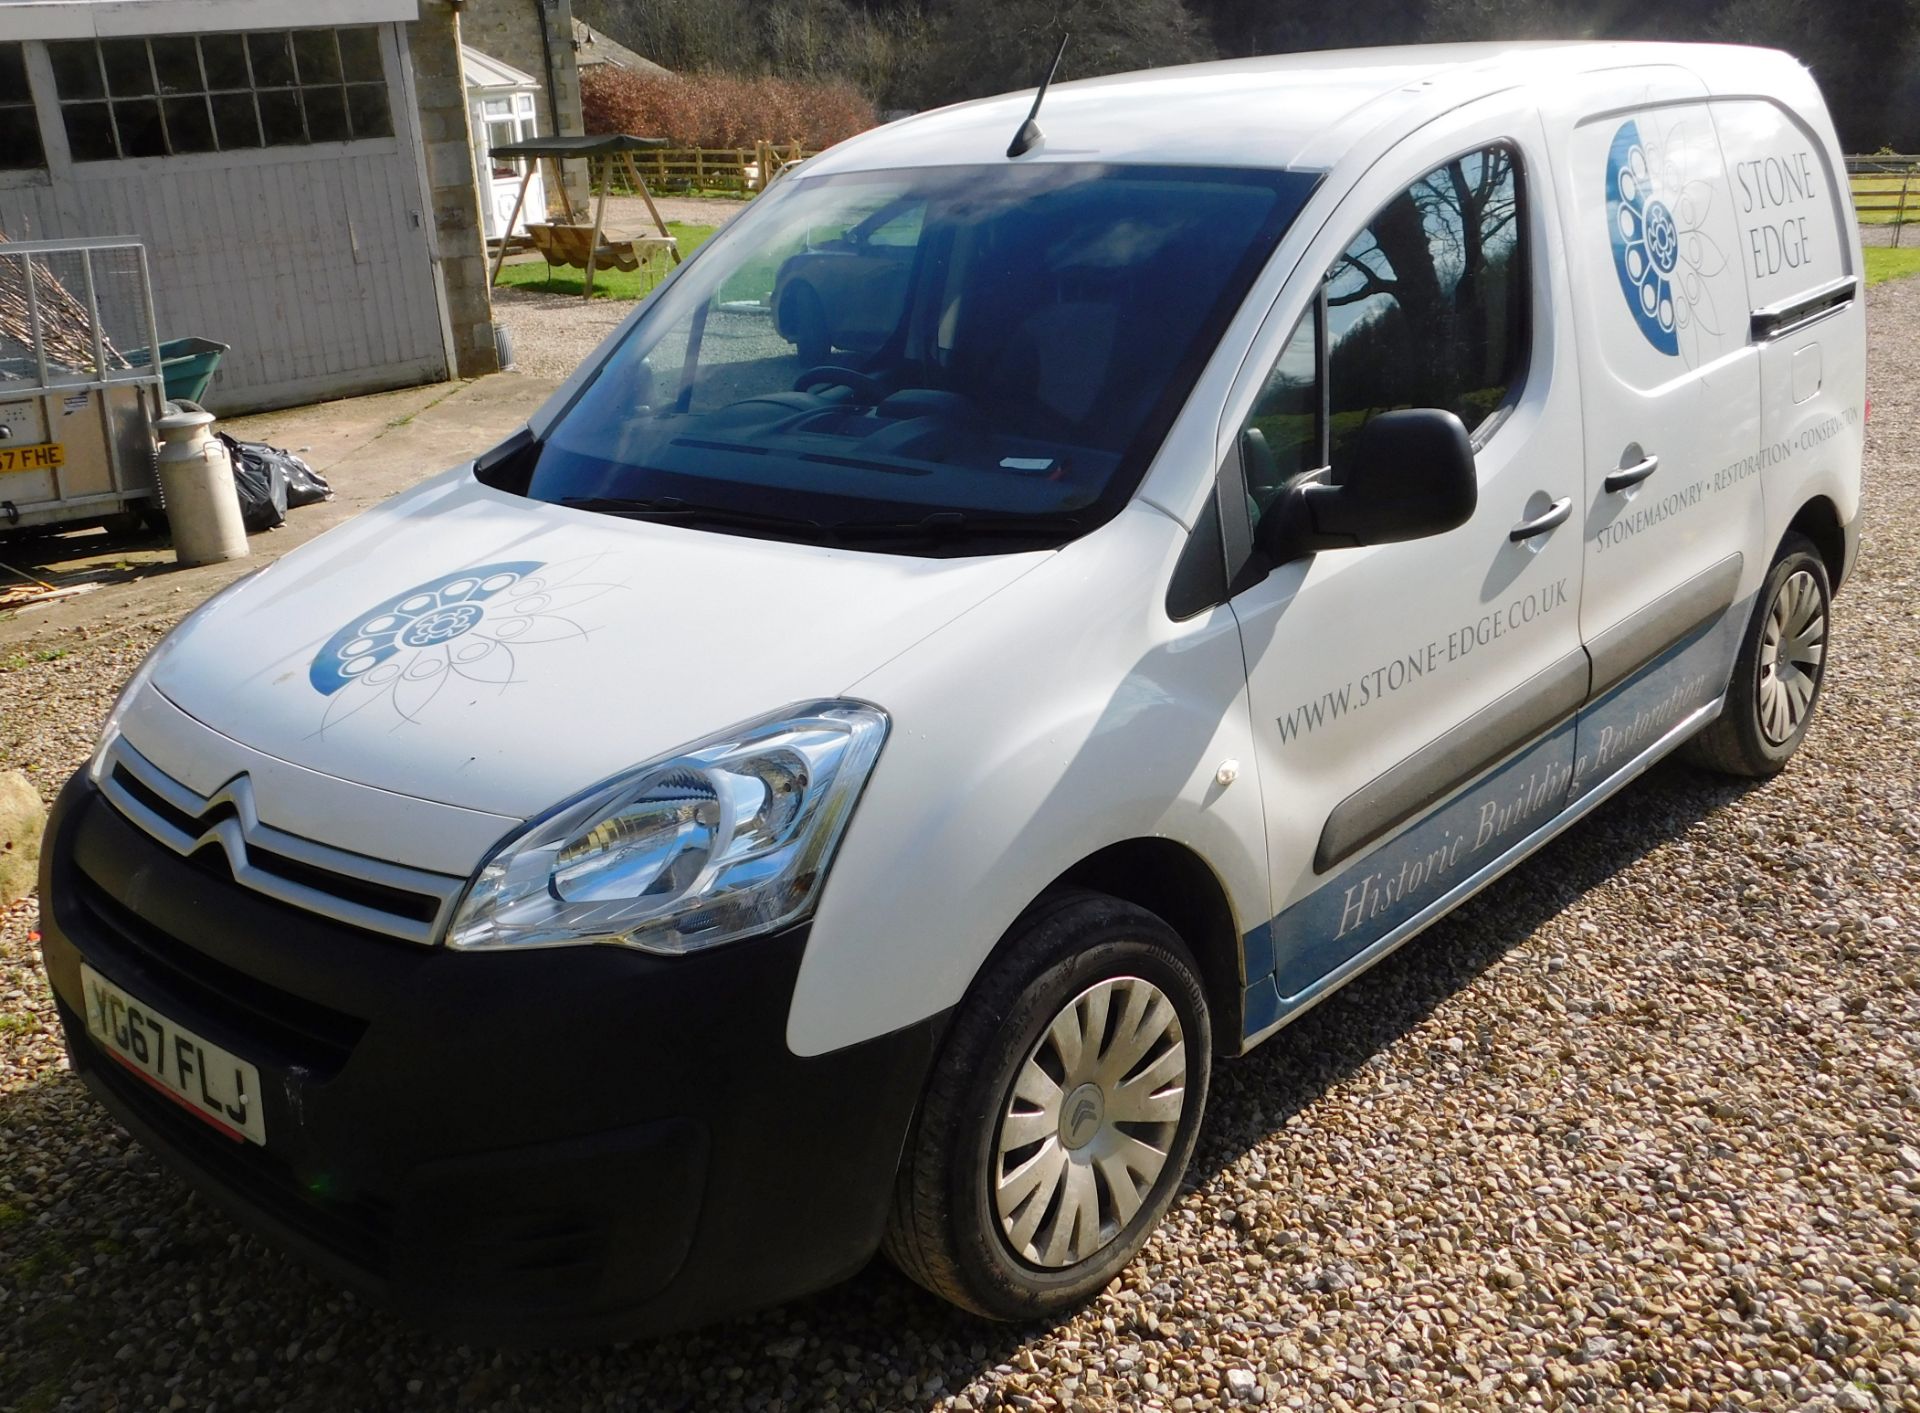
(865, 389)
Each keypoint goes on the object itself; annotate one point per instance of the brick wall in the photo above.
(453, 187)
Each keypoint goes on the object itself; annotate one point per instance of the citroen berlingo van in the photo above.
(1011, 622)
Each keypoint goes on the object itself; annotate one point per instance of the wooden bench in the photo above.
(569, 242)
(571, 246)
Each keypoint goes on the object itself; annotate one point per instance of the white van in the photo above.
(989, 636)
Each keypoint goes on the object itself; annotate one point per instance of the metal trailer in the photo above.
(79, 387)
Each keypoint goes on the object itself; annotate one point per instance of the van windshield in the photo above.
(949, 360)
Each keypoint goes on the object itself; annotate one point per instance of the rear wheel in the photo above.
(1061, 1117)
(1778, 674)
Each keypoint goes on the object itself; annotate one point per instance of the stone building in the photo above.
(535, 36)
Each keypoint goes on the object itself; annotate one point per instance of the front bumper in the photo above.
(579, 1143)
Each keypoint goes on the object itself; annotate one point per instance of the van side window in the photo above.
(1283, 436)
(1428, 307)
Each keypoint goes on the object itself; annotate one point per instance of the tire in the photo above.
(1779, 672)
(804, 320)
(1069, 959)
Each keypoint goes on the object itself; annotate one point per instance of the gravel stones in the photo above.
(1637, 1128)
(552, 333)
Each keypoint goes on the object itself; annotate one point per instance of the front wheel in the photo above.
(1778, 673)
(1061, 1116)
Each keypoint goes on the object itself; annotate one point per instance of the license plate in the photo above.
(196, 1074)
(41, 456)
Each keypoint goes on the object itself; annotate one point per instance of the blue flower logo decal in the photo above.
(464, 626)
(1662, 253)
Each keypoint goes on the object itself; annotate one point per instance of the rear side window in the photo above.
(1428, 307)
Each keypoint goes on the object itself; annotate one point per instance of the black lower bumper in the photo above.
(569, 1144)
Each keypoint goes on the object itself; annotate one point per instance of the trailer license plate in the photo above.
(196, 1074)
(41, 456)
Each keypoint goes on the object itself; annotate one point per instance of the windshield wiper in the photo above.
(674, 511)
(938, 526)
(958, 525)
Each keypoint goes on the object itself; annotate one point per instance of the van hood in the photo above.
(472, 647)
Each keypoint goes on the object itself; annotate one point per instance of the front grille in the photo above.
(358, 1229)
(296, 1032)
(373, 895)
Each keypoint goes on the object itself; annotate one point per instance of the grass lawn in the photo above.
(1882, 191)
(1885, 263)
(607, 284)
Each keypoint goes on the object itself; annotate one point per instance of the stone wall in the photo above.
(511, 31)
(460, 245)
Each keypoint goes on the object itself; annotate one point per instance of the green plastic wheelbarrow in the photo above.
(186, 365)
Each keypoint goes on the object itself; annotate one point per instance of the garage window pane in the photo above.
(235, 121)
(90, 132)
(76, 68)
(19, 128)
(272, 59)
(226, 59)
(367, 104)
(189, 129)
(140, 132)
(20, 138)
(176, 64)
(360, 56)
(317, 56)
(326, 114)
(280, 122)
(129, 74)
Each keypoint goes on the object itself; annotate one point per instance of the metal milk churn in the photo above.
(196, 485)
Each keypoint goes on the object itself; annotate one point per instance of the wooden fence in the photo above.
(1886, 189)
(742, 169)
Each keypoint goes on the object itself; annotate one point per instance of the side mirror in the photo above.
(1412, 475)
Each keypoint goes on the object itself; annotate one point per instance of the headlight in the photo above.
(727, 838)
(110, 728)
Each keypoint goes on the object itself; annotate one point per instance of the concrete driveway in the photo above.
(367, 447)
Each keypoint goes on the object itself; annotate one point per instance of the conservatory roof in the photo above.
(485, 71)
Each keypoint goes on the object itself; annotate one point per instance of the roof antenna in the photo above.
(1029, 132)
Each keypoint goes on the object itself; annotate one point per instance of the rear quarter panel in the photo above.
(1769, 110)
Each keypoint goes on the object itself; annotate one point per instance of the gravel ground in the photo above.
(1637, 1128)
(553, 332)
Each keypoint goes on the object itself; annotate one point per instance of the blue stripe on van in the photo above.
(1360, 905)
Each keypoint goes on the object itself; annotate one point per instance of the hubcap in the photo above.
(1089, 1121)
(1792, 647)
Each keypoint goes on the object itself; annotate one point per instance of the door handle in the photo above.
(1556, 514)
(1628, 476)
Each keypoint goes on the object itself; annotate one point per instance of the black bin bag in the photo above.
(269, 481)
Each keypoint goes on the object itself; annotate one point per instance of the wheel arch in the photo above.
(1819, 521)
(1178, 886)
